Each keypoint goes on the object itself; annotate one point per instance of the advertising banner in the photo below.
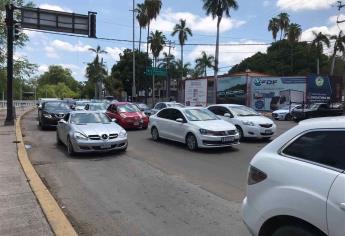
(271, 93)
(232, 90)
(196, 92)
(319, 89)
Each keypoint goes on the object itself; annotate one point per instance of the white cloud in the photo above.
(266, 3)
(51, 52)
(299, 5)
(54, 7)
(43, 68)
(114, 52)
(66, 46)
(167, 20)
(230, 55)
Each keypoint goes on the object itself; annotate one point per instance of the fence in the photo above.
(19, 103)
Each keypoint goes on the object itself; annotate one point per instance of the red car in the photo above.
(128, 115)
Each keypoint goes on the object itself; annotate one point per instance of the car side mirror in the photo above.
(179, 120)
(227, 115)
(62, 121)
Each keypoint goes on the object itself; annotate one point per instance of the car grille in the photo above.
(266, 125)
(60, 115)
(224, 133)
(113, 136)
(274, 114)
(94, 137)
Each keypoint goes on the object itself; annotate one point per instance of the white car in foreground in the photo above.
(296, 184)
(284, 113)
(249, 123)
(197, 127)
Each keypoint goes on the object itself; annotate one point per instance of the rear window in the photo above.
(322, 147)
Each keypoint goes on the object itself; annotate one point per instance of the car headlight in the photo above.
(206, 132)
(80, 136)
(48, 116)
(123, 134)
(249, 123)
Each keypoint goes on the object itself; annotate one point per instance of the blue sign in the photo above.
(259, 104)
(318, 89)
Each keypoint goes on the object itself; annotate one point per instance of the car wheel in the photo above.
(295, 230)
(70, 149)
(58, 140)
(192, 143)
(288, 117)
(240, 133)
(155, 134)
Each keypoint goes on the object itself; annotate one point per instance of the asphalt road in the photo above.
(152, 189)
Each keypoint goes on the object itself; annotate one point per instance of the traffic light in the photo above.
(16, 31)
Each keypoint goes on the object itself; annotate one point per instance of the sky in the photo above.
(247, 25)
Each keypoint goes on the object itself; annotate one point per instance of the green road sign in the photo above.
(156, 71)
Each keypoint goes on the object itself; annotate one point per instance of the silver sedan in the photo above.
(84, 131)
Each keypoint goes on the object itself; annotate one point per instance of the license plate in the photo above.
(268, 131)
(106, 146)
(227, 139)
(136, 123)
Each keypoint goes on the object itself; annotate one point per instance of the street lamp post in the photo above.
(133, 78)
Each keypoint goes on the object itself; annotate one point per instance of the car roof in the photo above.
(324, 123)
(228, 105)
(120, 103)
(81, 111)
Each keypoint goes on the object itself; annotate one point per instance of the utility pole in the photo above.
(134, 90)
(9, 24)
(170, 44)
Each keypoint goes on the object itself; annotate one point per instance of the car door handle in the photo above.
(342, 206)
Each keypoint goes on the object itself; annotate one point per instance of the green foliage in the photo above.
(59, 90)
(157, 40)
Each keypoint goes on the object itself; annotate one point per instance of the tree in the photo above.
(293, 34)
(218, 8)
(284, 22)
(204, 62)
(318, 42)
(153, 7)
(142, 19)
(338, 47)
(183, 31)
(156, 40)
(273, 26)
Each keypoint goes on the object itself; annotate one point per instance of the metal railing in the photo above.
(18, 103)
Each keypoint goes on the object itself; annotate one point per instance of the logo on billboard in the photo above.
(319, 81)
(259, 82)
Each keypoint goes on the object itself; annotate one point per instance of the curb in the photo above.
(55, 217)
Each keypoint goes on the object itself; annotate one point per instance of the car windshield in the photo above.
(80, 103)
(314, 106)
(199, 115)
(128, 108)
(243, 111)
(56, 105)
(175, 105)
(142, 106)
(97, 107)
(86, 118)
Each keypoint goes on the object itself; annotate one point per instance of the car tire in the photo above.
(288, 117)
(240, 133)
(155, 134)
(191, 142)
(70, 149)
(58, 140)
(295, 230)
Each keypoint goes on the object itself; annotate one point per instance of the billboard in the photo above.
(319, 89)
(232, 90)
(196, 92)
(271, 93)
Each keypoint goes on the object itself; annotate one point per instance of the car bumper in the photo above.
(49, 122)
(134, 124)
(81, 146)
(205, 141)
(258, 132)
(278, 116)
(250, 217)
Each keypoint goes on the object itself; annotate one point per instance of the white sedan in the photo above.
(249, 123)
(284, 113)
(197, 127)
(296, 184)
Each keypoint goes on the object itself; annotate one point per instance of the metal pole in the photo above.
(9, 23)
(133, 81)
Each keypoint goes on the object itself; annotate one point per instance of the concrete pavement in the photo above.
(20, 213)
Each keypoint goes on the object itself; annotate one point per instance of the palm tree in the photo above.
(338, 47)
(98, 50)
(156, 40)
(273, 26)
(184, 68)
(96, 70)
(142, 19)
(284, 22)
(204, 62)
(153, 7)
(318, 42)
(293, 33)
(217, 9)
(183, 32)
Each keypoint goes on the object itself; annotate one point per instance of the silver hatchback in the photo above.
(85, 131)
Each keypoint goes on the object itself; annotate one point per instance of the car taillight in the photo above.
(255, 175)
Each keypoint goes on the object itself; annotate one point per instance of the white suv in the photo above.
(296, 184)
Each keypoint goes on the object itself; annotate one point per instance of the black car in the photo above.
(316, 110)
(52, 112)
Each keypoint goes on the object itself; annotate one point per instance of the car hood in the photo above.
(214, 125)
(97, 129)
(255, 119)
(133, 114)
(57, 111)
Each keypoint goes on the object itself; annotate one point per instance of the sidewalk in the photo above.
(20, 213)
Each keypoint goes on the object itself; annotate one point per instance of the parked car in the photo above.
(96, 106)
(161, 105)
(197, 127)
(284, 113)
(84, 131)
(249, 123)
(144, 108)
(52, 112)
(296, 184)
(128, 115)
(316, 110)
(80, 105)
